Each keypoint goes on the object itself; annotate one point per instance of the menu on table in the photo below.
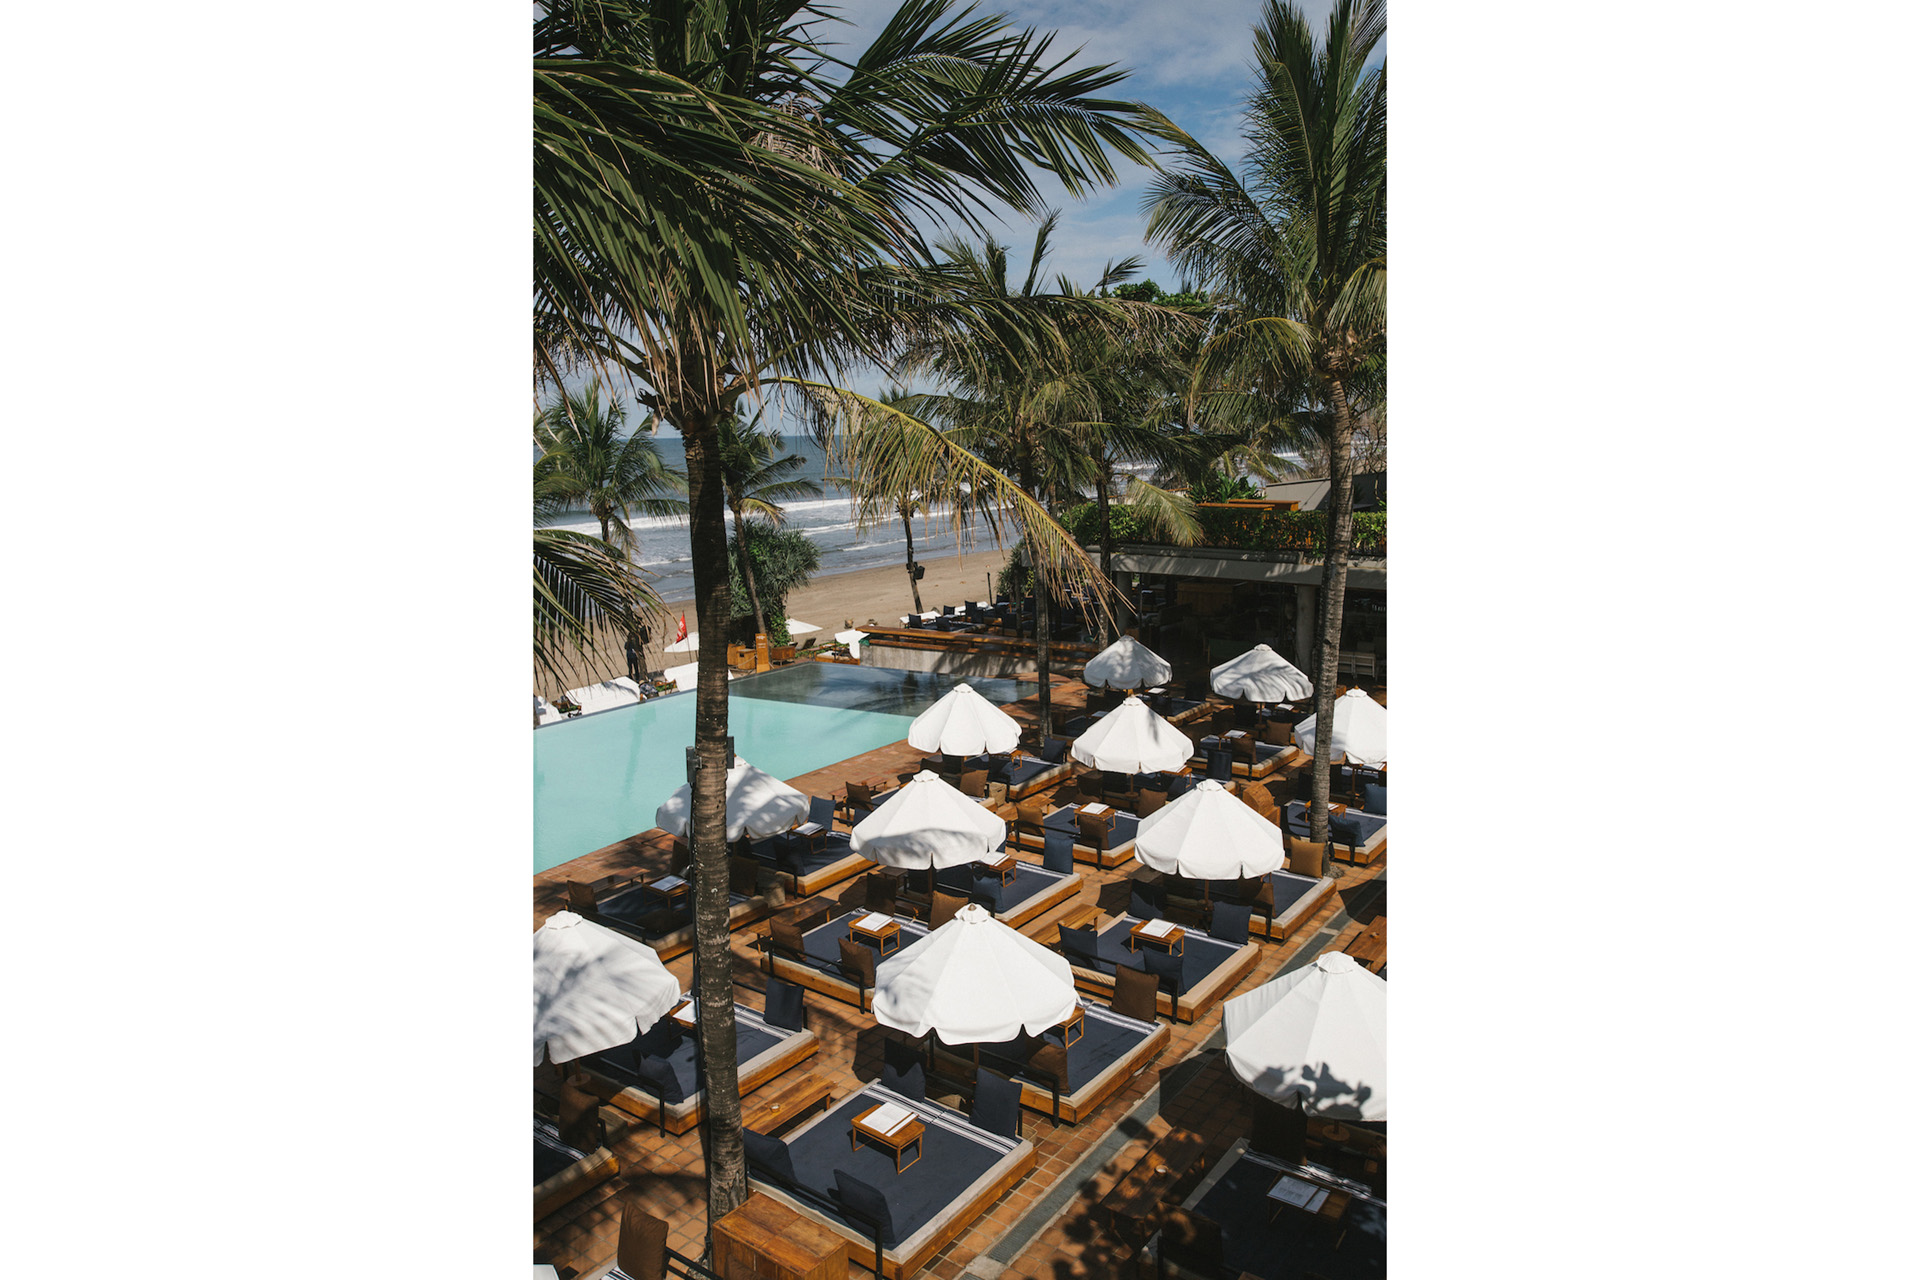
(887, 1117)
(668, 882)
(807, 828)
(1293, 1191)
(1093, 808)
(874, 922)
(1158, 928)
(1238, 733)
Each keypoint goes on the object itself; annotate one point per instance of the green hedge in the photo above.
(1238, 530)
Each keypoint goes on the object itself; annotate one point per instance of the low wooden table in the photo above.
(670, 889)
(1174, 939)
(1074, 1027)
(1007, 867)
(765, 1238)
(907, 1135)
(1329, 1204)
(885, 938)
(775, 1108)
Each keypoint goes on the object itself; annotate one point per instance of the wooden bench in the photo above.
(778, 1108)
(1369, 946)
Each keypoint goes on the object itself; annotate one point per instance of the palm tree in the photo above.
(875, 500)
(580, 583)
(592, 463)
(1020, 394)
(758, 478)
(1300, 247)
(721, 202)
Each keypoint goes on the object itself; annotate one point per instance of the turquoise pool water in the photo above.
(599, 778)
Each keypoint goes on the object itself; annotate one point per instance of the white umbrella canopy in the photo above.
(690, 645)
(1359, 729)
(1133, 738)
(1126, 664)
(928, 823)
(1318, 1034)
(963, 723)
(797, 628)
(593, 988)
(1261, 675)
(1210, 834)
(854, 636)
(975, 981)
(758, 805)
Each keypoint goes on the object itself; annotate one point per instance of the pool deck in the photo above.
(1046, 1226)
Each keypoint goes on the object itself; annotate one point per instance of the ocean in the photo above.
(828, 520)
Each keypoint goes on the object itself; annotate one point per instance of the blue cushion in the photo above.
(1219, 764)
(786, 1005)
(770, 1156)
(996, 1104)
(865, 1203)
(820, 810)
(903, 1071)
(1143, 902)
(657, 1075)
(1081, 947)
(1345, 830)
(1373, 798)
(1164, 967)
(1229, 923)
(1058, 853)
(1055, 750)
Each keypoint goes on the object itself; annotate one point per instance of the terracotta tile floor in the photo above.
(580, 1238)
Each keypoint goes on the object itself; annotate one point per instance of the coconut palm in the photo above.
(589, 460)
(719, 201)
(1299, 246)
(758, 477)
(580, 584)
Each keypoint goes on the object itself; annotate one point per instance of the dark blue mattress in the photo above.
(1203, 954)
(1107, 1039)
(794, 855)
(1028, 880)
(550, 1155)
(1349, 828)
(954, 1155)
(1291, 1246)
(823, 943)
(667, 1039)
(1261, 750)
(629, 908)
(1124, 828)
(1288, 889)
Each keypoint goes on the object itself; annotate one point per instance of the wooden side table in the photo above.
(882, 938)
(765, 1240)
(907, 1135)
(1174, 939)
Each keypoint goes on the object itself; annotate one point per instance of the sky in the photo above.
(1190, 59)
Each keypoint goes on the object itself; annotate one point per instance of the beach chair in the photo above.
(882, 892)
(856, 966)
(1094, 829)
(642, 1252)
(859, 801)
(1029, 818)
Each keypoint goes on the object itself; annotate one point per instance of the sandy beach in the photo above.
(830, 602)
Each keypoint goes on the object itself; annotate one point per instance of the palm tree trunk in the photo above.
(906, 519)
(1042, 659)
(1333, 594)
(746, 568)
(713, 982)
(1106, 544)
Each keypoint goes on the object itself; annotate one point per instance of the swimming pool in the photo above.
(599, 778)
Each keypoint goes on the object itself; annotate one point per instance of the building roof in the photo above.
(1369, 491)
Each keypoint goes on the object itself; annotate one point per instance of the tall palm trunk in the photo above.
(1333, 594)
(1042, 623)
(713, 980)
(1106, 544)
(906, 519)
(746, 565)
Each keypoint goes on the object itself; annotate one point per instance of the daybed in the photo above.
(662, 1064)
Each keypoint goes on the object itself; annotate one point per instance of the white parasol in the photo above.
(1133, 738)
(1318, 1034)
(1210, 834)
(928, 823)
(963, 723)
(758, 805)
(1126, 664)
(593, 989)
(1359, 729)
(974, 981)
(1261, 675)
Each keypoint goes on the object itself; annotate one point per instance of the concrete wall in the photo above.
(1000, 666)
(1244, 566)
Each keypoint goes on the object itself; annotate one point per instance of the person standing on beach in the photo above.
(636, 641)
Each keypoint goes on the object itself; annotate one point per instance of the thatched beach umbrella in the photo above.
(963, 723)
(758, 805)
(1261, 675)
(1133, 738)
(1126, 664)
(593, 989)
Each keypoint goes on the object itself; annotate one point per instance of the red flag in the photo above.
(683, 628)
